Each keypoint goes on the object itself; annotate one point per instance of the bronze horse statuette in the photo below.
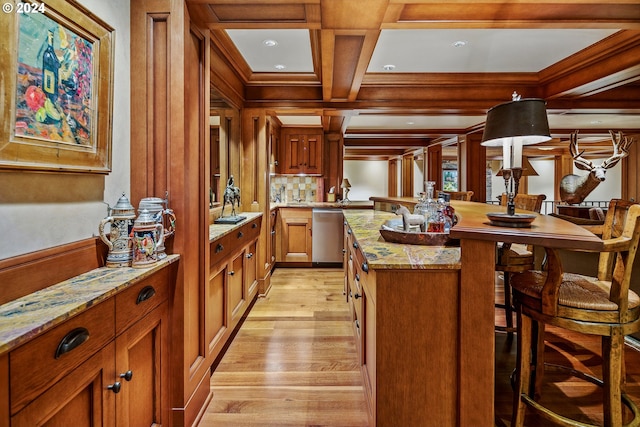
(231, 195)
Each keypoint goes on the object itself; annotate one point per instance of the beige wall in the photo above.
(42, 210)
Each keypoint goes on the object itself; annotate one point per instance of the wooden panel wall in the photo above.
(170, 109)
(25, 274)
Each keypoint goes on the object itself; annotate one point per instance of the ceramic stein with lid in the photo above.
(163, 215)
(146, 236)
(120, 218)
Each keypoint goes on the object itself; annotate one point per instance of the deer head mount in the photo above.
(573, 188)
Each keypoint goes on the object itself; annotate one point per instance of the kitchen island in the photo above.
(424, 315)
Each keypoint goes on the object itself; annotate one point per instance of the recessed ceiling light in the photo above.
(459, 43)
(411, 123)
(389, 67)
(279, 67)
(270, 43)
(595, 122)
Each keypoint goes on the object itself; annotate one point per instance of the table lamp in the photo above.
(512, 125)
(346, 185)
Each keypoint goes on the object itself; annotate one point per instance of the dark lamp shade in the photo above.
(524, 120)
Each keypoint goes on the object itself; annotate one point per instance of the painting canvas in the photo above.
(54, 83)
(58, 78)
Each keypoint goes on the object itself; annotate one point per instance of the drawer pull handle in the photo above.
(344, 251)
(127, 375)
(357, 277)
(231, 273)
(356, 296)
(115, 387)
(365, 267)
(355, 245)
(349, 231)
(146, 293)
(219, 248)
(250, 254)
(254, 225)
(240, 234)
(273, 233)
(72, 340)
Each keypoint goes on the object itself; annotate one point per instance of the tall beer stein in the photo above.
(146, 236)
(163, 215)
(120, 218)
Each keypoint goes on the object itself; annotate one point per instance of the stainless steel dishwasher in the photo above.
(327, 242)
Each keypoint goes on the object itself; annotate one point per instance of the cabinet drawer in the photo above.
(41, 362)
(135, 302)
(220, 250)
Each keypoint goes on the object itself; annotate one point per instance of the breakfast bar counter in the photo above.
(426, 314)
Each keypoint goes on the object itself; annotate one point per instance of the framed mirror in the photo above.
(224, 133)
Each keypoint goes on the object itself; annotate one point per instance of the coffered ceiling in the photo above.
(391, 75)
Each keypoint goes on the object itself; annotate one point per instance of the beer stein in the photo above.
(120, 218)
(156, 206)
(147, 235)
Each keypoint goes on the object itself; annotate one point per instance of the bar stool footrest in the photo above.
(563, 421)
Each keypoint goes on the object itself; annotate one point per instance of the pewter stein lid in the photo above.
(145, 218)
(123, 208)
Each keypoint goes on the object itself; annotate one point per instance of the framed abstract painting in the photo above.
(58, 84)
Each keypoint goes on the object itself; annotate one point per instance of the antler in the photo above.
(621, 146)
(578, 160)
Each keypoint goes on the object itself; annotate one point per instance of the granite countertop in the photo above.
(217, 231)
(365, 225)
(28, 316)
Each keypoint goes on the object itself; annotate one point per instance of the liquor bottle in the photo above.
(50, 66)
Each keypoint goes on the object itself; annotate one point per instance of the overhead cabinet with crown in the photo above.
(302, 151)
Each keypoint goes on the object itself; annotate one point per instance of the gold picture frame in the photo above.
(57, 78)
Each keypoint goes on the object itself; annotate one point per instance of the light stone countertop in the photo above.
(217, 231)
(33, 314)
(365, 225)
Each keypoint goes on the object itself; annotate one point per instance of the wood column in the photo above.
(169, 116)
(255, 183)
(407, 175)
(473, 160)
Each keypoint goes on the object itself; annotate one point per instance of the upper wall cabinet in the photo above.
(302, 151)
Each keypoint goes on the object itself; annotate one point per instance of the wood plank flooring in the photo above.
(293, 363)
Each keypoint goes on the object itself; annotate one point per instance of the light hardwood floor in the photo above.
(293, 363)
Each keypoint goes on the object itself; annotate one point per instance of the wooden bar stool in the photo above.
(602, 305)
(515, 258)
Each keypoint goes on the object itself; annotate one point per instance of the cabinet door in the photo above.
(80, 399)
(294, 154)
(296, 235)
(237, 296)
(216, 324)
(251, 272)
(141, 369)
(312, 156)
(368, 351)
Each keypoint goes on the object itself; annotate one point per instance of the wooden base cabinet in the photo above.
(107, 366)
(406, 329)
(295, 235)
(233, 283)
